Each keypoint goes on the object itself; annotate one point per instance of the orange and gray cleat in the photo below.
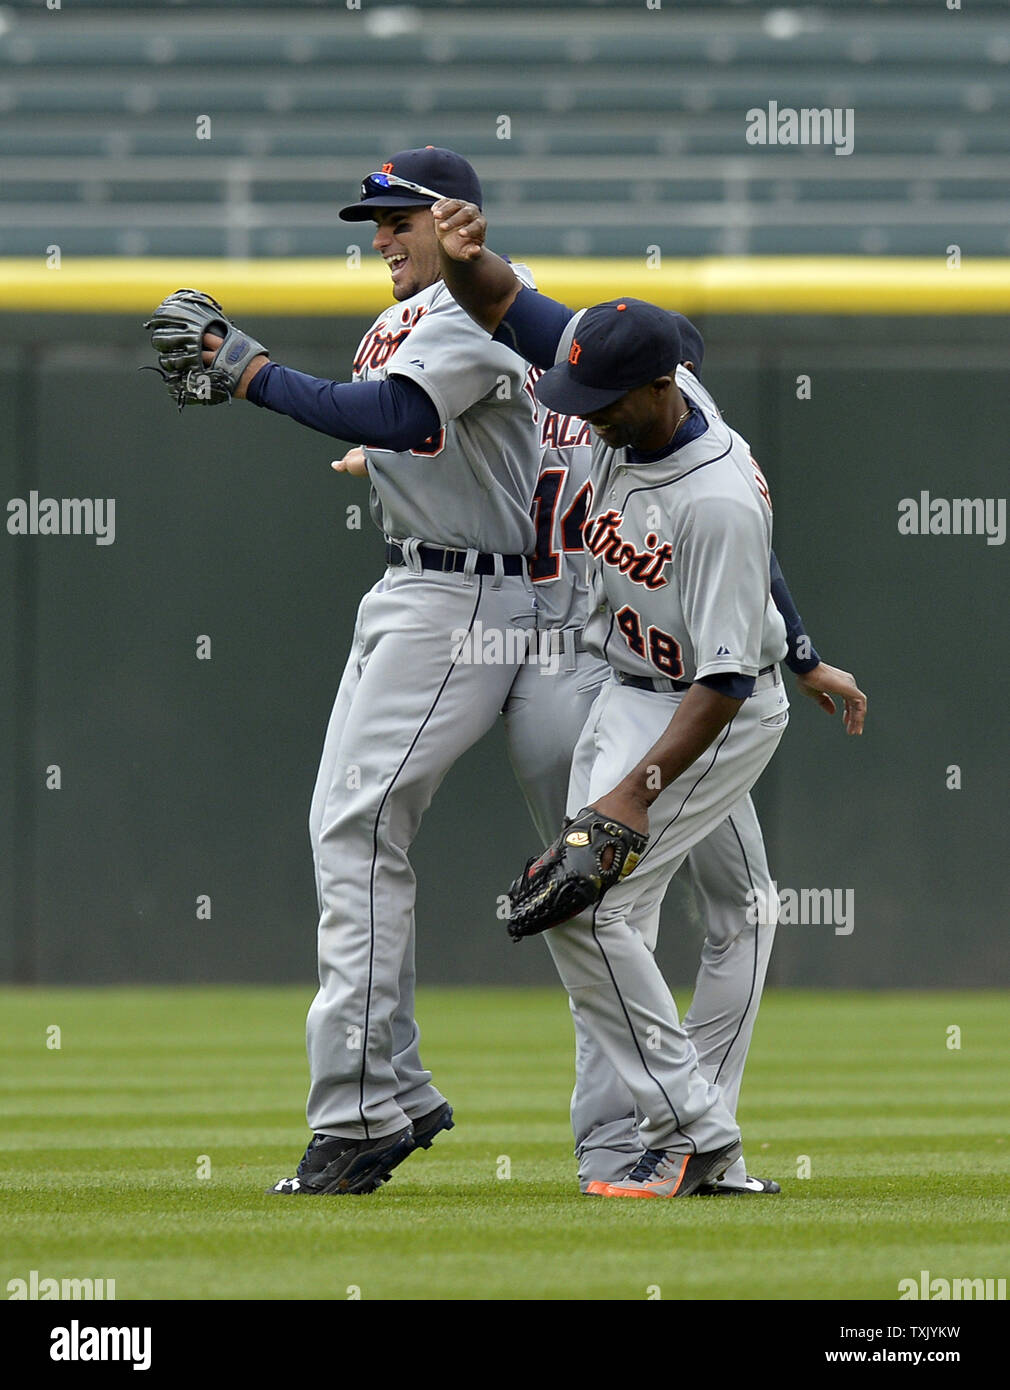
(663, 1173)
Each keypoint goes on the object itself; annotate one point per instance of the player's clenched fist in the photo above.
(461, 228)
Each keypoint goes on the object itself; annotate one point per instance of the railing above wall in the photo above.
(717, 285)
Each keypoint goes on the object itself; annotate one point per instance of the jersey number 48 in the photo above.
(656, 645)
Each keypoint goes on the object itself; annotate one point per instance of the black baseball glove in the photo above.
(178, 325)
(591, 854)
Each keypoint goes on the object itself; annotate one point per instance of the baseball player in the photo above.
(679, 531)
(452, 458)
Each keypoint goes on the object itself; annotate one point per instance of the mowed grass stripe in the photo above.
(906, 1140)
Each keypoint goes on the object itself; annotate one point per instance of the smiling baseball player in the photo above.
(452, 457)
(679, 531)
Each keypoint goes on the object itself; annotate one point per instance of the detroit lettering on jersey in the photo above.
(603, 539)
(678, 577)
(382, 340)
(471, 483)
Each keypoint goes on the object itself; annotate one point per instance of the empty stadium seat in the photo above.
(597, 128)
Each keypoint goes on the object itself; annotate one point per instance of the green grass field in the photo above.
(104, 1137)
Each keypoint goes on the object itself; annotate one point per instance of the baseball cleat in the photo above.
(750, 1185)
(334, 1165)
(663, 1173)
(596, 1189)
(431, 1124)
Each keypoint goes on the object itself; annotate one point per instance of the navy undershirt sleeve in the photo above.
(393, 414)
(783, 601)
(729, 683)
(533, 325)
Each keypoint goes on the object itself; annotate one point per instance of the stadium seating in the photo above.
(597, 128)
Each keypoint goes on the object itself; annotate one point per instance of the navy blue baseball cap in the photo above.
(415, 179)
(616, 347)
(691, 342)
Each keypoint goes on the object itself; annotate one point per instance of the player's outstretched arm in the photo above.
(481, 283)
(395, 413)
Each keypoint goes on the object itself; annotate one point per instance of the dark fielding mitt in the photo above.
(178, 325)
(590, 855)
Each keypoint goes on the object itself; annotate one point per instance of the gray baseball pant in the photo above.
(406, 709)
(730, 861)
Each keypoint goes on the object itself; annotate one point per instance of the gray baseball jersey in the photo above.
(470, 484)
(679, 551)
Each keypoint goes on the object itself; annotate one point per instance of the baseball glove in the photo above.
(573, 873)
(178, 325)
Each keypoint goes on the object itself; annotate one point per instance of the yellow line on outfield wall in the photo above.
(730, 285)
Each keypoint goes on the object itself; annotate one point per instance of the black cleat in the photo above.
(431, 1124)
(334, 1165)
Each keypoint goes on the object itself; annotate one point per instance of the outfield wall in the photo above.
(183, 778)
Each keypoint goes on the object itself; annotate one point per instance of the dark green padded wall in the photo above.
(183, 777)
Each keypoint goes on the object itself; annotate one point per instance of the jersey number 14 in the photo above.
(546, 563)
